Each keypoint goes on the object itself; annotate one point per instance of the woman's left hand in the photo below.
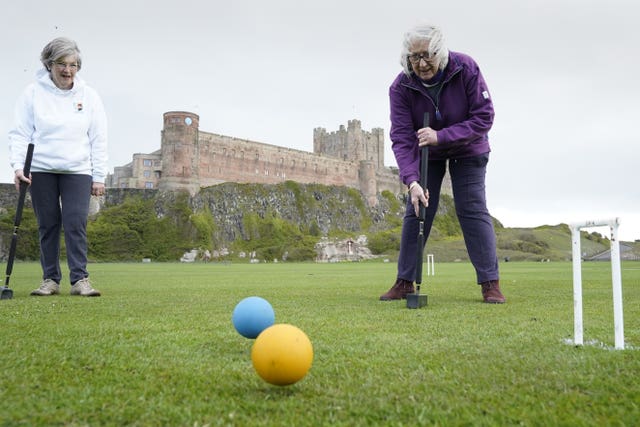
(97, 189)
(427, 136)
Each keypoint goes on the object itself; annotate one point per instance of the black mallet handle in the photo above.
(424, 162)
(16, 224)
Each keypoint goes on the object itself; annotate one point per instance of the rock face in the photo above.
(318, 207)
(326, 208)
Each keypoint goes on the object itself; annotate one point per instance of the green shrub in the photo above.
(384, 241)
(28, 242)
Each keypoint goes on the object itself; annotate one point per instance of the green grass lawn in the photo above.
(159, 349)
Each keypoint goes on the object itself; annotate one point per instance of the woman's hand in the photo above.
(19, 177)
(97, 189)
(427, 136)
(418, 195)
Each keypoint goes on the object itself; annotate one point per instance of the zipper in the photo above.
(437, 101)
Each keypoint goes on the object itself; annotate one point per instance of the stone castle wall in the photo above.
(192, 159)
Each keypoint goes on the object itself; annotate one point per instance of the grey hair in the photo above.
(59, 48)
(437, 46)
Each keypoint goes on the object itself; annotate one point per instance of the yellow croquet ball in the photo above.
(282, 354)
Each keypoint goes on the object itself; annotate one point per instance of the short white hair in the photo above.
(424, 32)
(59, 48)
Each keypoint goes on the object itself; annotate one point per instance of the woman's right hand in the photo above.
(418, 195)
(19, 177)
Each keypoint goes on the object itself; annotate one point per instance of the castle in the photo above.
(190, 159)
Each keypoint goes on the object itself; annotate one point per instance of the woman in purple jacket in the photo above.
(450, 88)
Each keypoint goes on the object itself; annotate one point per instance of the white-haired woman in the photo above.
(450, 88)
(65, 120)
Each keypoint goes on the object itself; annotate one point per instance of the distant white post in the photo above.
(431, 267)
(616, 279)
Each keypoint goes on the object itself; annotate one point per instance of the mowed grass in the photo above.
(159, 349)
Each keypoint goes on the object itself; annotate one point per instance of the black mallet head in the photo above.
(416, 300)
(6, 293)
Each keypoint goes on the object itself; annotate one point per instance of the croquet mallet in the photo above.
(418, 300)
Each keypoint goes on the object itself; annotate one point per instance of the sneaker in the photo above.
(399, 290)
(491, 292)
(83, 288)
(47, 287)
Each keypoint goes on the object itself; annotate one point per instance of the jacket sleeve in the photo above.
(404, 141)
(98, 140)
(21, 134)
(480, 115)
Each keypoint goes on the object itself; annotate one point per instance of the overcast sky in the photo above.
(562, 74)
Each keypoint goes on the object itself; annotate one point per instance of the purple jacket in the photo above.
(462, 116)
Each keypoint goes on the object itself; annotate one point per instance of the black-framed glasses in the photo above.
(415, 58)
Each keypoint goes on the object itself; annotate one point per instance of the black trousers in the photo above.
(61, 202)
(468, 184)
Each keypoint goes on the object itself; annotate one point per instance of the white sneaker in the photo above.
(47, 287)
(83, 288)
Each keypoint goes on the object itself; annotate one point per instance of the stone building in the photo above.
(191, 159)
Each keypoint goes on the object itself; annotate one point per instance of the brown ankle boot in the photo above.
(399, 290)
(491, 292)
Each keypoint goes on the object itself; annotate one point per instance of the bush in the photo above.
(384, 241)
(28, 243)
(273, 238)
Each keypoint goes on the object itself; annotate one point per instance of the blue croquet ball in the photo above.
(252, 315)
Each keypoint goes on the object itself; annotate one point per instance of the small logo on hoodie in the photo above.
(77, 105)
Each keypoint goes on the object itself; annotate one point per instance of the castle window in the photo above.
(146, 163)
(147, 174)
(148, 184)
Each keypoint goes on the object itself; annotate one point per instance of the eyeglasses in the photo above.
(415, 58)
(62, 65)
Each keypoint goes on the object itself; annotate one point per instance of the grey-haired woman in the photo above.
(65, 120)
(451, 89)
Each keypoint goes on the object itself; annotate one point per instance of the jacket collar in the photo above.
(453, 67)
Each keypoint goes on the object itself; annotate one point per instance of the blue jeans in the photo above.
(61, 201)
(468, 184)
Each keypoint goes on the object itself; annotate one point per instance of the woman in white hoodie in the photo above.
(65, 120)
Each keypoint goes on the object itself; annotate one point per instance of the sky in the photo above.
(562, 76)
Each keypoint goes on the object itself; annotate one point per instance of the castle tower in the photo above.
(180, 156)
(367, 181)
(377, 141)
(356, 148)
(351, 143)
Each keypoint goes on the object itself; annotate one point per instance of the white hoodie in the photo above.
(67, 127)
